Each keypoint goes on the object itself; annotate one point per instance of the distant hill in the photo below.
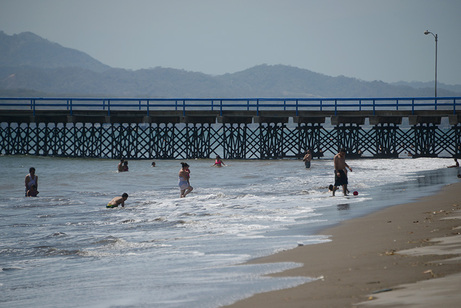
(27, 49)
(33, 66)
(287, 81)
(429, 84)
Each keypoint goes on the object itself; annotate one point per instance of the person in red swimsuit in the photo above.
(218, 162)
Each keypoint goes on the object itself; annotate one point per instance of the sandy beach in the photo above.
(405, 255)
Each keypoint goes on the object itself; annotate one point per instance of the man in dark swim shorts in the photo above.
(340, 178)
(117, 201)
(340, 171)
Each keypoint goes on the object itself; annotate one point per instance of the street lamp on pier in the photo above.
(436, 39)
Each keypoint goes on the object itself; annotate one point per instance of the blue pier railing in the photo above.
(450, 104)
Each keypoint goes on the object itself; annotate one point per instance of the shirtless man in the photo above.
(31, 179)
(340, 171)
(307, 159)
(117, 201)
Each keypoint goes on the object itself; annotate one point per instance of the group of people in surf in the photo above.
(340, 165)
(184, 180)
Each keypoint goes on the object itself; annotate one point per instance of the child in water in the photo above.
(32, 192)
(184, 183)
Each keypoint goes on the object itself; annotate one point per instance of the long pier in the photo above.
(246, 128)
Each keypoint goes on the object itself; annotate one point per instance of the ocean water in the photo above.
(65, 249)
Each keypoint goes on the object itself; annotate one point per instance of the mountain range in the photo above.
(33, 66)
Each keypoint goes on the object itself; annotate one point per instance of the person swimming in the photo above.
(218, 162)
(120, 165)
(115, 202)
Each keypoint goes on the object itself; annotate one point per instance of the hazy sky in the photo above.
(366, 39)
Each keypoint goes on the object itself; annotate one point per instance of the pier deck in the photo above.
(231, 128)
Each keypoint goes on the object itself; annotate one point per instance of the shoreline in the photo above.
(369, 258)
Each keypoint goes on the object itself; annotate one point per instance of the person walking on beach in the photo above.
(31, 179)
(115, 202)
(218, 162)
(341, 171)
(184, 183)
(307, 159)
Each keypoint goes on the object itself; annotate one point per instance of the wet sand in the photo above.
(408, 254)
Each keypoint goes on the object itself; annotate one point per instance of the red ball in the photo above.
(355, 193)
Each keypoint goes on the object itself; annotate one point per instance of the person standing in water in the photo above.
(184, 183)
(31, 179)
(218, 162)
(307, 159)
(340, 171)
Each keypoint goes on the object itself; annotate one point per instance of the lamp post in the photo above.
(436, 39)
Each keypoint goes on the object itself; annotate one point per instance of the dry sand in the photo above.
(405, 255)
